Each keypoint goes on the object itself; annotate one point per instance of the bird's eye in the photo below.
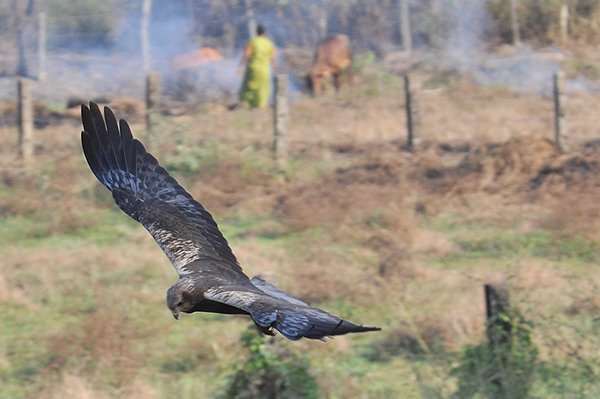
(180, 303)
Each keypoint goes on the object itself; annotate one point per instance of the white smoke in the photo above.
(521, 69)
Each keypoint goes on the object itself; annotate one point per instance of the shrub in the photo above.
(398, 341)
(270, 374)
(503, 367)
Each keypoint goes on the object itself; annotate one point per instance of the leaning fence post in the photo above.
(280, 122)
(496, 303)
(561, 135)
(152, 89)
(498, 327)
(25, 119)
(412, 114)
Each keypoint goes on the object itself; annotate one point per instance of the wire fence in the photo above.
(116, 70)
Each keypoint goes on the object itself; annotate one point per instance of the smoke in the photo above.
(582, 84)
(101, 70)
(467, 23)
(521, 69)
(169, 35)
(117, 70)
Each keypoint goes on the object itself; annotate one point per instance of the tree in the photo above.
(23, 18)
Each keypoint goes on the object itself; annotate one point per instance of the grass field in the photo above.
(353, 224)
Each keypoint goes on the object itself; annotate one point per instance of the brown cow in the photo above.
(331, 59)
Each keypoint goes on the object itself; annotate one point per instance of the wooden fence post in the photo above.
(152, 90)
(41, 46)
(561, 135)
(280, 122)
(498, 328)
(25, 119)
(413, 123)
(496, 302)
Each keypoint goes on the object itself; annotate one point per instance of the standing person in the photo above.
(259, 56)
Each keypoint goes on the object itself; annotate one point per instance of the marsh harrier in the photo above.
(210, 277)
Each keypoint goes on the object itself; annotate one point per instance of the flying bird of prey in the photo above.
(210, 277)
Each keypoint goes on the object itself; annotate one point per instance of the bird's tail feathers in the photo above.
(296, 322)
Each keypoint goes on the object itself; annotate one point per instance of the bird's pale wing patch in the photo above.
(292, 320)
(270, 289)
(234, 296)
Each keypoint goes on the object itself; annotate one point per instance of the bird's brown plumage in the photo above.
(210, 277)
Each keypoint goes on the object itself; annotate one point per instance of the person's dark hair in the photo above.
(260, 30)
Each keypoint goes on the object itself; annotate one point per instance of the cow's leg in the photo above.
(349, 76)
(336, 81)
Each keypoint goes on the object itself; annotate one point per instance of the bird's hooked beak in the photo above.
(176, 313)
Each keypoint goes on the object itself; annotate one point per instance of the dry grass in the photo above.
(354, 226)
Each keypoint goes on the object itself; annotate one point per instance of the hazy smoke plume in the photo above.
(520, 69)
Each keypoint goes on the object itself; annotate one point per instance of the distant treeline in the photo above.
(372, 24)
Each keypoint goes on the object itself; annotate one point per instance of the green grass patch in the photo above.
(25, 335)
(195, 159)
(488, 241)
(37, 229)
(267, 231)
(538, 244)
(567, 380)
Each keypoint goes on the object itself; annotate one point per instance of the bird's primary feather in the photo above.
(209, 272)
(145, 191)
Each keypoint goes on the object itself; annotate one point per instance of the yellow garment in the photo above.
(255, 88)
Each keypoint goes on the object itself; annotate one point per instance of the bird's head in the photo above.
(179, 298)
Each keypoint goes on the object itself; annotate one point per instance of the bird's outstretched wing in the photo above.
(145, 191)
(188, 234)
(270, 307)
